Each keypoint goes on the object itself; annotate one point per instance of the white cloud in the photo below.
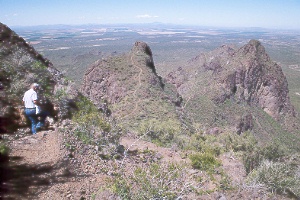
(11, 15)
(146, 16)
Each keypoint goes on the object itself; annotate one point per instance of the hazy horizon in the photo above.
(275, 14)
(153, 25)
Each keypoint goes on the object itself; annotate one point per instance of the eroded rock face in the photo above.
(245, 123)
(131, 88)
(241, 75)
(116, 77)
(258, 81)
(255, 79)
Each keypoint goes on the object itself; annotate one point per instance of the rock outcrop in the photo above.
(255, 79)
(243, 75)
(131, 88)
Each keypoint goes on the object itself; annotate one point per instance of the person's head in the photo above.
(34, 86)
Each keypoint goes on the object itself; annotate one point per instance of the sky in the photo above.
(282, 14)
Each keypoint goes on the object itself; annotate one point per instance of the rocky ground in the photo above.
(42, 168)
(51, 165)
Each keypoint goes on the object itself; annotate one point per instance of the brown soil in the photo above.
(42, 166)
(41, 169)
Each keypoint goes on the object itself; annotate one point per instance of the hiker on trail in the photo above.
(32, 109)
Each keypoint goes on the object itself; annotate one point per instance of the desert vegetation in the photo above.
(138, 135)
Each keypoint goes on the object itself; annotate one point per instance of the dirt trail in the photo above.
(140, 84)
(41, 167)
(41, 148)
(32, 161)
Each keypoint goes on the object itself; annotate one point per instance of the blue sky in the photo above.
(219, 13)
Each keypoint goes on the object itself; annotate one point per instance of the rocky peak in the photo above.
(141, 47)
(254, 46)
(130, 86)
(253, 50)
(250, 76)
(260, 81)
(141, 53)
(242, 75)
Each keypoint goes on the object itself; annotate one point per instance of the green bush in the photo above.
(89, 116)
(204, 144)
(277, 177)
(154, 181)
(84, 135)
(121, 187)
(251, 152)
(149, 189)
(4, 150)
(93, 127)
(235, 142)
(204, 161)
(160, 132)
(60, 94)
(38, 66)
(253, 158)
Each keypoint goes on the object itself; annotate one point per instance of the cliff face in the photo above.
(20, 66)
(131, 88)
(243, 75)
(112, 79)
(253, 78)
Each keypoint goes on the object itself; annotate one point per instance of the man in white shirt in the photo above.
(31, 101)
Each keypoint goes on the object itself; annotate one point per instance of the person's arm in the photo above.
(35, 99)
(36, 102)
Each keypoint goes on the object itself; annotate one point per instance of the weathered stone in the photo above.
(120, 149)
(244, 75)
(128, 88)
(214, 131)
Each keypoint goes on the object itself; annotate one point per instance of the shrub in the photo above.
(225, 182)
(204, 144)
(4, 150)
(204, 161)
(120, 187)
(152, 181)
(60, 94)
(160, 132)
(89, 116)
(235, 142)
(252, 154)
(253, 158)
(92, 127)
(84, 135)
(277, 177)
